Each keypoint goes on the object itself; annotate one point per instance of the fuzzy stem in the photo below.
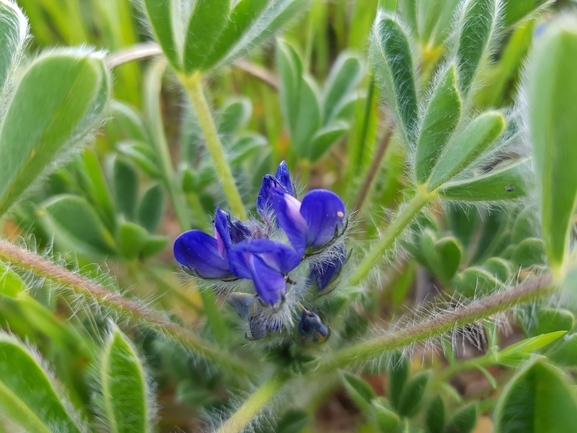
(193, 87)
(91, 291)
(251, 407)
(529, 290)
(399, 223)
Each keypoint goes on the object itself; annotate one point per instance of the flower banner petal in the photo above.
(324, 213)
(198, 252)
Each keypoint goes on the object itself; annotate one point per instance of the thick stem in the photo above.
(91, 291)
(399, 223)
(529, 290)
(251, 407)
(193, 87)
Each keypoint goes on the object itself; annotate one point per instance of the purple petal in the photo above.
(222, 232)
(284, 177)
(268, 283)
(277, 256)
(323, 273)
(198, 252)
(264, 204)
(288, 215)
(324, 213)
(311, 327)
(238, 231)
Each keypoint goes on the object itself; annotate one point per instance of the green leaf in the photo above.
(515, 11)
(506, 183)
(142, 155)
(153, 246)
(244, 14)
(554, 134)
(235, 114)
(476, 28)
(467, 146)
(413, 393)
(530, 252)
(325, 138)
(537, 400)
(549, 320)
(290, 71)
(499, 268)
(151, 209)
(387, 420)
(441, 119)
(77, 227)
(99, 191)
(515, 353)
(13, 34)
(11, 285)
(475, 281)
(344, 77)
(443, 256)
(129, 121)
(525, 225)
(125, 188)
(435, 420)
(208, 20)
(398, 374)
(464, 421)
(131, 239)
(246, 146)
(124, 386)
(566, 354)
(393, 64)
(359, 390)
(308, 117)
(55, 96)
(27, 395)
(160, 14)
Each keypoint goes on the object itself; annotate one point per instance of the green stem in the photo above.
(193, 87)
(527, 291)
(251, 407)
(93, 292)
(399, 223)
(153, 87)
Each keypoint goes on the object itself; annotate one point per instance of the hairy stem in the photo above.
(529, 290)
(91, 291)
(251, 407)
(398, 224)
(193, 87)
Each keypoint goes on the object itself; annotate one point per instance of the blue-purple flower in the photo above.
(265, 263)
(311, 328)
(281, 180)
(248, 307)
(207, 256)
(312, 223)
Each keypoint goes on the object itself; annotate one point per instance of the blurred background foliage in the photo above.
(114, 200)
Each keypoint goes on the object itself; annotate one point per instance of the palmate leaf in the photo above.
(206, 34)
(27, 396)
(56, 103)
(124, 387)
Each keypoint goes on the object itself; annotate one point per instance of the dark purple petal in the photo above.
(287, 211)
(264, 205)
(268, 283)
(323, 273)
(311, 327)
(284, 178)
(198, 252)
(244, 304)
(324, 213)
(238, 231)
(222, 232)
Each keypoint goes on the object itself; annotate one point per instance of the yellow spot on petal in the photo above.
(340, 214)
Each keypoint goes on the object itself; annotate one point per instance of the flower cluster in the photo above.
(254, 250)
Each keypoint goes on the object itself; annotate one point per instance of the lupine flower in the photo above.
(281, 180)
(266, 264)
(326, 271)
(312, 223)
(311, 327)
(207, 256)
